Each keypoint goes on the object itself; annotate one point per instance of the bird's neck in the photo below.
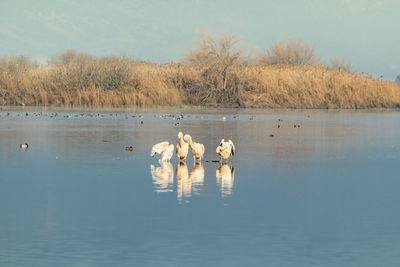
(181, 142)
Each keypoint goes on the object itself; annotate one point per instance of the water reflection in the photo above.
(184, 185)
(163, 177)
(187, 183)
(190, 183)
(197, 177)
(225, 177)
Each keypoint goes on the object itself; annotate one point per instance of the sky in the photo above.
(364, 32)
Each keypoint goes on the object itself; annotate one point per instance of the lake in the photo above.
(305, 188)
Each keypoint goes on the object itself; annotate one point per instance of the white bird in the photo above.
(182, 148)
(165, 149)
(225, 149)
(197, 148)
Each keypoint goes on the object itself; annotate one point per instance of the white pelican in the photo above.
(225, 177)
(163, 177)
(165, 149)
(197, 148)
(225, 149)
(182, 148)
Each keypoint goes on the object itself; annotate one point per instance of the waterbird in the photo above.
(225, 149)
(197, 148)
(24, 146)
(182, 148)
(129, 148)
(165, 149)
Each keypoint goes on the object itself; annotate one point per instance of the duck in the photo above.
(197, 148)
(129, 148)
(24, 146)
(165, 149)
(182, 148)
(225, 149)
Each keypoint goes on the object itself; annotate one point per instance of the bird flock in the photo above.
(225, 149)
(187, 182)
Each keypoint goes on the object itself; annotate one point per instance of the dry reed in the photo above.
(214, 75)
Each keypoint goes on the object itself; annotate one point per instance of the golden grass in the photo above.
(74, 79)
(314, 87)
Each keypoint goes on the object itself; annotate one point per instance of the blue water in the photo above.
(322, 194)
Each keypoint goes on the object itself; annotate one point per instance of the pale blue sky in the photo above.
(365, 32)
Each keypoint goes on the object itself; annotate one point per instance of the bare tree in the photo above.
(340, 63)
(293, 52)
(217, 58)
(398, 79)
(210, 51)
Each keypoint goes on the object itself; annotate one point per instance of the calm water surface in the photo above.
(323, 193)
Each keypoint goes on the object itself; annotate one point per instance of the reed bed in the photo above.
(75, 79)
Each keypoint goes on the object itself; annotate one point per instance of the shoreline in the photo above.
(193, 109)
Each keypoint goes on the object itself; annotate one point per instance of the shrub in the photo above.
(293, 52)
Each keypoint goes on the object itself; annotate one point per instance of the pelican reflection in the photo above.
(184, 186)
(163, 177)
(197, 177)
(225, 177)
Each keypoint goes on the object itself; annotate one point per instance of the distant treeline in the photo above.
(215, 73)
